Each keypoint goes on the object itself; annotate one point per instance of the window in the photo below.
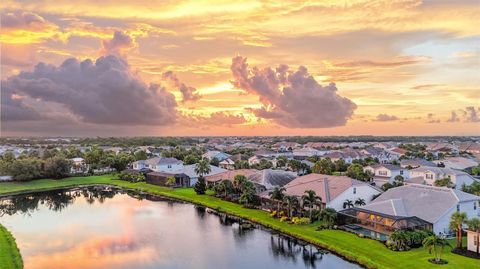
(169, 166)
(429, 176)
(354, 190)
(474, 205)
(458, 208)
(475, 240)
(401, 172)
(382, 173)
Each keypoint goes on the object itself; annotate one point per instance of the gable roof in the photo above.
(390, 167)
(189, 170)
(326, 186)
(417, 162)
(272, 178)
(159, 161)
(426, 202)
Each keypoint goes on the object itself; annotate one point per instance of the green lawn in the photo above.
(9, 255)
(370, 253)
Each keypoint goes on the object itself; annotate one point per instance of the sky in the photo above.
(193, 68)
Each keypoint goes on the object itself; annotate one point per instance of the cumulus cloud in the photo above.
(103, 92)
(14, 109)
(431, 118)
(21, 20)
(219, 118)
(188, 93)
(472, 114)
(292, 98)
(118, 45)
(386, 117)
(453, 117)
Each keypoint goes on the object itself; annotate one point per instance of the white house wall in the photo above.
(362, 191)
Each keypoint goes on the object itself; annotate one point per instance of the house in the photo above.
(334, 190)
(428, 176)
(227, 164)
(397, 152)
(160, 178)
(414, 207)
(386, 173)
(473, 241)
(417, 162)
(272, 178)
(214, 154)
(189, 170)
(159, 164)
(304, 153)
(256, 159)
(459, 163)
(78, 166)
(229, 175)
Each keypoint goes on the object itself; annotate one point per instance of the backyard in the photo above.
(370, 253)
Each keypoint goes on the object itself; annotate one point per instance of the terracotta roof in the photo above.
(230, 174)
(326, 186)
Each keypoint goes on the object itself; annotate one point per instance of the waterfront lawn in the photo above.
(10, 257)
(367, 252)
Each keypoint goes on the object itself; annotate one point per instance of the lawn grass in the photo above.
(10, 257)
(369, 253)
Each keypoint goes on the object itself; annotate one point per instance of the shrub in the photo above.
(300, 221)
(283, 219)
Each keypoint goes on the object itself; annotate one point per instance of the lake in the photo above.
(99, 227)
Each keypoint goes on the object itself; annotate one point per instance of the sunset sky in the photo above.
(81, 68)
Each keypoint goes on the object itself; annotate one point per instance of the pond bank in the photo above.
(10, 257)
(369, 253)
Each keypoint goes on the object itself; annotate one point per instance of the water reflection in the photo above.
(101, 227)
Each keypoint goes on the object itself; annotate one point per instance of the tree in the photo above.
(436, 245)
(292, 203)
(240, 164)
(340, 165)
(348, 203)
(324, 166)
(202, 168)
(249, 194)
(277, 195)
(214, 162)
(476, 171)
(474, 225)
(328, 216)
(444, 182)
(294, 165)
(360, 202)
(94, 156)
(311, 199)
(190, 159)
(120, 161)
(25, 169)
(140, 155)
(238, 182)
(356, 171)
(399, 180)
(456, 222)
(171, 181)
(282, 161)
(57, 167)
(201, 186)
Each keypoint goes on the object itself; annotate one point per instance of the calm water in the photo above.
(93, 228)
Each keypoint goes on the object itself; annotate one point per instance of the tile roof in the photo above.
(426, 202)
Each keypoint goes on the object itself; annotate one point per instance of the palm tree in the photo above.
(360, 202)
(348, 204)
(292, 202)
(474, 225)
(328, 216)
(202, 168)
(277, 195)
(456, 221)
(227, 186)
(311, 199)
(435, 244)
(239, 182)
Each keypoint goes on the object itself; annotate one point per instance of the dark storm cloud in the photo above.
(104, 92)
(292, 98)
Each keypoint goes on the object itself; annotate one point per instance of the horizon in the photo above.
(75, 68)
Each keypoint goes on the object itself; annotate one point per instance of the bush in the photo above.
(300, 221)
(283, 219)
(200, 187)
(131, 177)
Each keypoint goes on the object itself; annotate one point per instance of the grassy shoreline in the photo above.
(10, 257)
(369, 253)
